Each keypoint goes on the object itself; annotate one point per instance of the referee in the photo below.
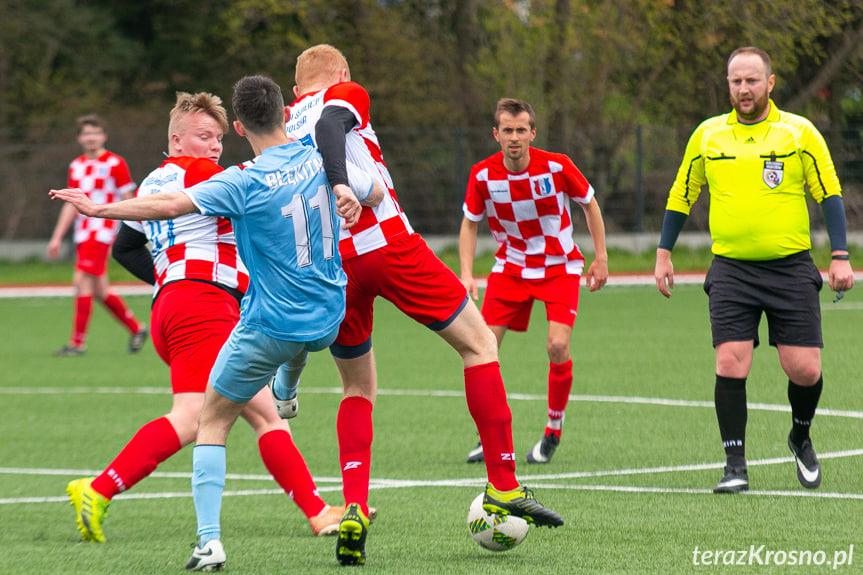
(757, 161)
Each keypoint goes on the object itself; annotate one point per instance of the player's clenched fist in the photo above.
(347, 205)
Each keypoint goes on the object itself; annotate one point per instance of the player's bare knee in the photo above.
(558, 350)
(185, 426)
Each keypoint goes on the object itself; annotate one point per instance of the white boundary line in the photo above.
(125, 289)
(379, 483)
(615, 279)
(466, 482)
(30, 291)
(628, 489)
(633, 400)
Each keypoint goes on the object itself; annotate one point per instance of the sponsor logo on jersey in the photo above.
(159, 182)
(307, 141)
(295, 125)
(498, 186)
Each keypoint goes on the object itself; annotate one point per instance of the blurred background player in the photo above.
(526, 191)
(104, 177)
(199, 282)
(384, 257)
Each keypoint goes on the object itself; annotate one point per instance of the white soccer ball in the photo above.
(494, 532)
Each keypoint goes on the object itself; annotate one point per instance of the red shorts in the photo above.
(191, 320)
(508, 300)
(92, 257)
(408, 274)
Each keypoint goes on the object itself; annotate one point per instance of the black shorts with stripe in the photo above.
(785, 290)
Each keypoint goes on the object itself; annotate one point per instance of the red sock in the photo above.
(559, 386)
(287, 466)
(355, 432)
(486, 401)
(153, 444)
(83, 309)
(118, 309)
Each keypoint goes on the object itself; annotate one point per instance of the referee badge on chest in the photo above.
(773, 172)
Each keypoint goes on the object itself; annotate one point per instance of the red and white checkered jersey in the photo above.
(104, 180)
(193, 246)
(385, 222)
(528, 213)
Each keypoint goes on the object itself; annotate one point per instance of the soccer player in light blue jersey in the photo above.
(286, 218)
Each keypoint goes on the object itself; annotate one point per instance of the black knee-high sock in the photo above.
(804, 401)
(729, 396)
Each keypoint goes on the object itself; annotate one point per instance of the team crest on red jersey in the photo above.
(542, 185)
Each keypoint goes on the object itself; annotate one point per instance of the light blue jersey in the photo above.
(283, 214)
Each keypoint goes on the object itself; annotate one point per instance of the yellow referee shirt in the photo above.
(756, 175)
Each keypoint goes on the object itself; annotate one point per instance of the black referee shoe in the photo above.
(735, 480)
(808, 468)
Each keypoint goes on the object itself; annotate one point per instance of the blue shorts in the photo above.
(250, 358)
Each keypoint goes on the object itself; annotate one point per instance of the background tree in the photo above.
(48, 71)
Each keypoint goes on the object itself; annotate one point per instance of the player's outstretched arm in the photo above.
(165, 206)
(77, 199)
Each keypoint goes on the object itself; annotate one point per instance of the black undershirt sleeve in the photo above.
(330, 132)
(672, 223)
(130, 249)
(834, 220)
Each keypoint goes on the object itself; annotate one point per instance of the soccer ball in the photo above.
(494, 532)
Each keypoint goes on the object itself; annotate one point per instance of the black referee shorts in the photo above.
(786, 290)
